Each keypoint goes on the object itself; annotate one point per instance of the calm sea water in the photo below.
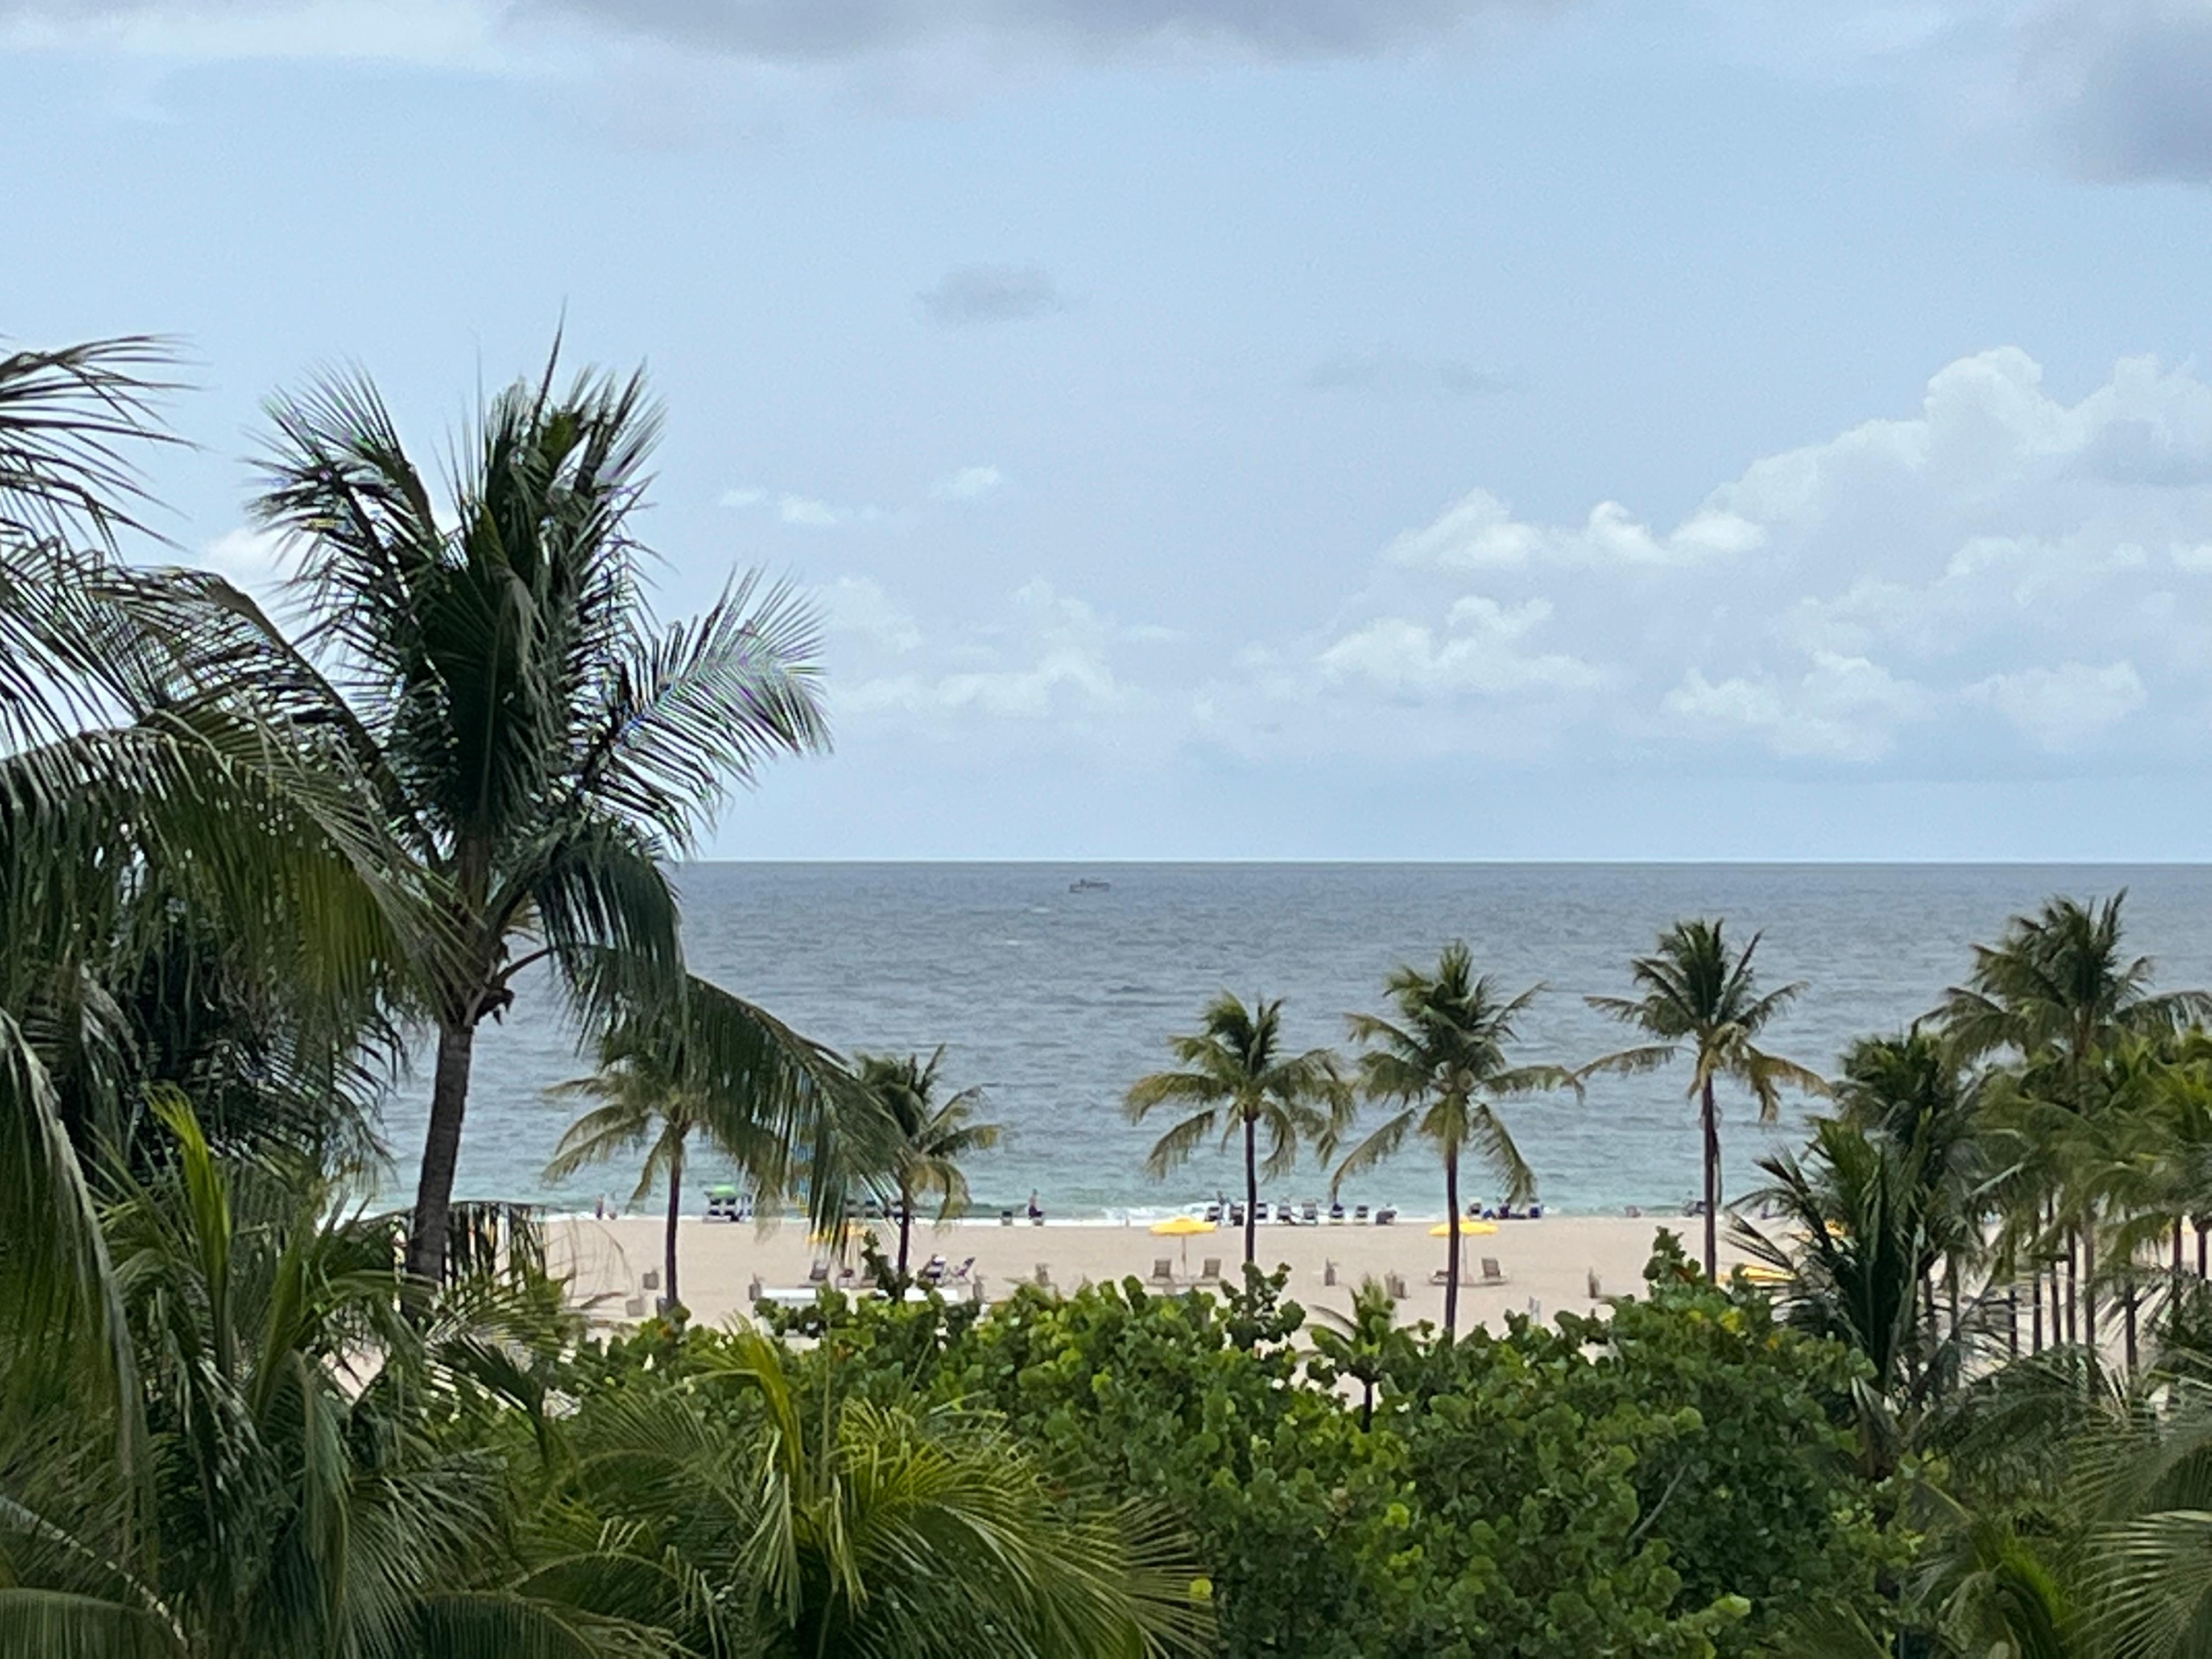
(1055, 1000)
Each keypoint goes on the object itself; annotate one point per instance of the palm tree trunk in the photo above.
(675, 1211)
(2035, 1308)
(2128, 1315)
(906, 1231)
(441, 1151)
(1712, 1123)
(2176, 1247)
(1251, 1190)
(1451, 1241)
(2089, 1285)
(2074, 1288)
(2204, 1232)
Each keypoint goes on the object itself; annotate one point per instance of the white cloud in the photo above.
(1048, 658)
(858, 606)
(1478, 531)
(1479, 651)
(969, 483)
(1844, 708)
(1862, 599)
(2063, 708)
(802, 512)
(254, 560)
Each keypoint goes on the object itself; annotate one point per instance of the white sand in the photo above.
(1548, 1260)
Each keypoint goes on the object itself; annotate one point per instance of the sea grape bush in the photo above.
(1674, 1478)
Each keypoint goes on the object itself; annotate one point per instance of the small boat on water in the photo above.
(1090, 885)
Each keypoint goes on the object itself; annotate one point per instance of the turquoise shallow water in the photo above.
(1056, 1000)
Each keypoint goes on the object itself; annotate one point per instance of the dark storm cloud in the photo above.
(2125, 86)
(820, 31)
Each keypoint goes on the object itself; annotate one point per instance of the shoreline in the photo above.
(1545, 1266)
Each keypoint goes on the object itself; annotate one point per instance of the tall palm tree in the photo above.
(541, 745)
(826, 1526)
(1443, 1059)
(2056, 995)
(1236, 1076)
(1695, 992)
(928, 1138)
(134, 809)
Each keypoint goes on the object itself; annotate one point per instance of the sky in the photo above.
(1218, 429)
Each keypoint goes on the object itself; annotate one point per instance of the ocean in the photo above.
(1054, 1000)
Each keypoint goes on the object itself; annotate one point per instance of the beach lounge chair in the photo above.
(648, 1281)
(1386, 1215)
(1393, 1286)
(1359, 1215)
(1336, 1214)
(754, 1291)
(634, 1307)
(1442, 1276)
(963, 1273)
(722, 1203)
(933, 1271)
(819, 1274)
(1328, 1271)
(1286, 1215)
(1163, 1270)
(1214, 1213)
(1236, 1215)
(1309, 1213)
(1210, 1273)
(1491, 1274)
(1260, 1213)
(1596, 1290)
(1044, 1275)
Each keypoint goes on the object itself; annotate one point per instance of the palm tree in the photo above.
(304, 1493)
(1443, 1059)
(929, 1138)
(852, 1526)
(138, 816)
(662, 1078)
(539, 744)
(1695, 991)
(1235, 1075)
(2056, 994)
(1361, 1344)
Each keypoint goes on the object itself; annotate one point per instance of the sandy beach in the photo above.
(1550, 1262)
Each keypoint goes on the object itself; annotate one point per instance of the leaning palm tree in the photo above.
(1235, 1077)
(928, 1137)
(663, 1077)
(539, 744)
(1696, 992)
(1443, 1060)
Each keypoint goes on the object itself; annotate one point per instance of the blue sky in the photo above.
(1332, 429)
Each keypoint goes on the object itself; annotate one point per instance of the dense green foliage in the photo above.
(1964, 1410)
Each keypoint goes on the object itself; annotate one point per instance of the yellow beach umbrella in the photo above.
(1467, 1228)
(1182, 1227)
(1758, 1272)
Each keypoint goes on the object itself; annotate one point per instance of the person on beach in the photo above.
(1036, 1210)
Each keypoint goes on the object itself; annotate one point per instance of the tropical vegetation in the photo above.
(1962, 1409)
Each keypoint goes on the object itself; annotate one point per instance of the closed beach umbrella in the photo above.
(1181, 1227)
(1467, 1229)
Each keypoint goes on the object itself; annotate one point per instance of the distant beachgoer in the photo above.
(1036, 1210)
(599, 1209)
